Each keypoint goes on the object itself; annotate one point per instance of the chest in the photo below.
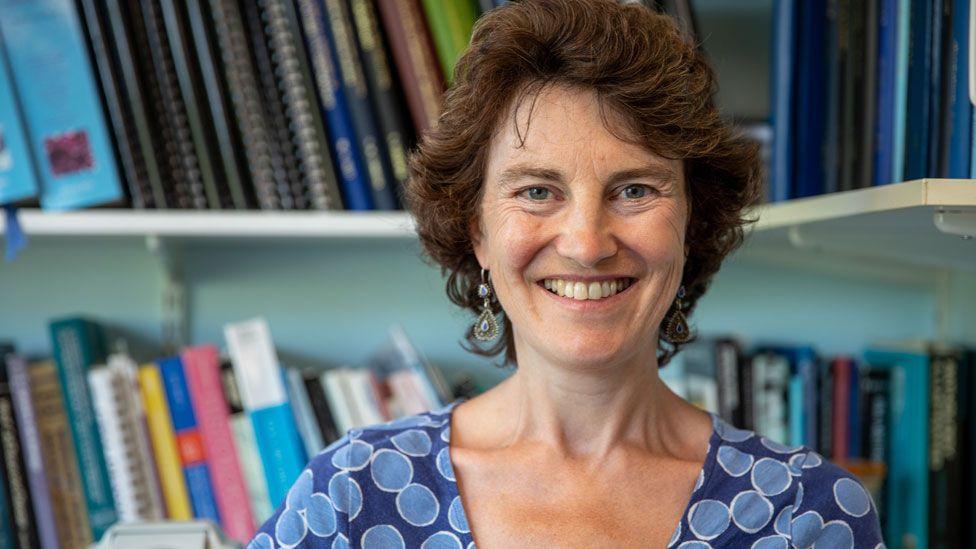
(512, 506)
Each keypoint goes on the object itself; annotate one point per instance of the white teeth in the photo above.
(595, 290)
(579, 291)
(582, 291)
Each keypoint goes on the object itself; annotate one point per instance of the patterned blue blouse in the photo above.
(392, 486)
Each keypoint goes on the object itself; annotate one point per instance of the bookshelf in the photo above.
(921, 224)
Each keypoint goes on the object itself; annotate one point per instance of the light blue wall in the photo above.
(330, 303)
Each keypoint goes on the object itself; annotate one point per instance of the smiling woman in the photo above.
(581, 187)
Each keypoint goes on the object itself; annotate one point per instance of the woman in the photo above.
(580, 190)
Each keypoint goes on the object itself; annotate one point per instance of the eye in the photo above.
(635, 191)
(537, 193)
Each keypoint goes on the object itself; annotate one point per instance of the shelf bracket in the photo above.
(174, 309)
(956, 222)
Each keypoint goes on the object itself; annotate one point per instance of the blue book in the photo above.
(265, 400)
(810, 99)
(960, 109)
(918, 124)
(188, 439)
(18, 180)
(832, 82)
(936, 115)
(55, 81)
(907, 478)
(343, 143)
(900, 114)
(784, 51)
(884, 119)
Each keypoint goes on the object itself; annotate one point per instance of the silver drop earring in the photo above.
(486, 326)
(676, 329)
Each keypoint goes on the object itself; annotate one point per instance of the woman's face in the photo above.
(577, 206)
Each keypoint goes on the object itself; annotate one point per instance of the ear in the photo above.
(477, 241)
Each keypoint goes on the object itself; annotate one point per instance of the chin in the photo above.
(587, 352)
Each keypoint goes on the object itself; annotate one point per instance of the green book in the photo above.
(77, 345)
(450, 23)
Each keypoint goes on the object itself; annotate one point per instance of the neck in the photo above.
(586, 412)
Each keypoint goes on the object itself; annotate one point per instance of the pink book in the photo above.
(202, 367)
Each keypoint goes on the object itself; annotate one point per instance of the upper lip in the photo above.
(586, 279)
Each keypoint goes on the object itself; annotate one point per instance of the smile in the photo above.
(583, 291)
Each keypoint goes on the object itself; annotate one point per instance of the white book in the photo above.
(338, 399)
(365, 396)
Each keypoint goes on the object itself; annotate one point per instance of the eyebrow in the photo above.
(653, 171)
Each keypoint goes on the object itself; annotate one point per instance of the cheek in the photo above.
(517, 239)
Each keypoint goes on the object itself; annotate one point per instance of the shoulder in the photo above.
(833, 507)
(338, 484)
(809, 499)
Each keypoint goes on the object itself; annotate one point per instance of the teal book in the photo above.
(78, 344)
(18, 180)
(55, 82)
(908, 471)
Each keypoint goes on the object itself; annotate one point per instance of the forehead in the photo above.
(567, 124)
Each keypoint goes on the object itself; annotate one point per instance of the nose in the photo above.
(586, 235)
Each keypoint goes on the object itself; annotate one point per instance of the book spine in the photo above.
(960, 109)
(351, 167)
(727, 372)
(885, 114)
(840, 412)
(15, 467)
(383, 90)
(30, 444)
(247, 449)
(193, 455)
(304, 417)
(450, 27)
(18, 178)
(810, 91)
(868, 52)
(108, 415)
(202, 368)
(299, 97)
(266, 401)
(263, 161)
(941, 38)
(833, 86)
(338, 400)
(796, 414)
(349, 65)
(59, 457)
(163, 440)
(825, 389)
(917, 107)
(320, 407)
(415, 60)
(50, 65)
(77, 345)
(119, 112)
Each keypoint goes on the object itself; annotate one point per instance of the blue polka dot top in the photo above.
(392, 486)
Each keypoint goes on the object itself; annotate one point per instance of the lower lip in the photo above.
(587, 305)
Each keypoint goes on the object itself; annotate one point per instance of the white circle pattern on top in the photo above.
(393, 485)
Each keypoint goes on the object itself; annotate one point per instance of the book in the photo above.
(202, 368)
(18, 178)
(384, 90)
(27, 424)
(907, 471)
(320, 406)
(415, 60)
(247, 450)
(339, 398)
(15, 472)
(332, 96)
(78, 345)
(64, 482)
(167, 457)
(340, 31)
(265, 399)
(55, 82)
(301, 408)
(782, 99)
(450, 23)
(193, 454)
(122, 428)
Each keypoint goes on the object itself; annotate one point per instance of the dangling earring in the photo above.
(485, 327)
(676, 329)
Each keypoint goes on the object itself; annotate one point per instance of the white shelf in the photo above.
(888, 224)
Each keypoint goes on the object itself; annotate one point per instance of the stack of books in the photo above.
(91, 437)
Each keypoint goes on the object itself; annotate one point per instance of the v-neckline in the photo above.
(704, 473)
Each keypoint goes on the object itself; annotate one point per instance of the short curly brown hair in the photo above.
(637, 63)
